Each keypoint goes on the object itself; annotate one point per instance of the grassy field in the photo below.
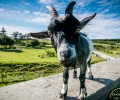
(111, 50)
(25, 55)
(17, 65)
(110, 47)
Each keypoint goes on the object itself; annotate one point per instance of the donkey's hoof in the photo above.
(83, 94)
(91, 77)
(63, 95)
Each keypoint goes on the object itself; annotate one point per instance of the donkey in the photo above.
(73, 48)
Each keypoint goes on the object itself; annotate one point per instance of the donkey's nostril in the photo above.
(68, 54)
(62, 53)
(65, 54)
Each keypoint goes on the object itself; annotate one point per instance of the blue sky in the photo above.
(27, 16)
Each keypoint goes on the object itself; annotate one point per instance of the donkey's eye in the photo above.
(50, 33)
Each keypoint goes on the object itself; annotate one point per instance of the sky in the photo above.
(27, 16)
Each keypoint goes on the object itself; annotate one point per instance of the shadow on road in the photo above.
(71, 98)
(103, 80)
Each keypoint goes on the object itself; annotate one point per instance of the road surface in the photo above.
(106, 78)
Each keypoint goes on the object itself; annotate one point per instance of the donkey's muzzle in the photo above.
(65, 55)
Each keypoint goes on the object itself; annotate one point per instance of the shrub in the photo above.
(118, 53)
(34, 42)
(5, 40)
(50, 53)
(42, 44)
(10, 41)
(28, 45)
(22, 44)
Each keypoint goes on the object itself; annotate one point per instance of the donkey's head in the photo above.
(64, 32)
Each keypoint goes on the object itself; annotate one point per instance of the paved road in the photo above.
(103, 55)
(106, 76)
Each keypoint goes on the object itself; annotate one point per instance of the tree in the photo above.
(3, 31)
(15, 35)
(20, 35)
(5, 40)
(9, 42)
(28, 36)
(35, 42)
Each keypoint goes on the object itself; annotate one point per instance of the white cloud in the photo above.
(27, 3)
(45, 1)
(81, 16)
(10, 29)
(105, 11)
(26, 16)
(103, 27)
(36, 13)
(83, 3)
(15, 11)
(40, 18)
(80, 3)
(1, 9)
(8, 13)
(26, 12)
(104, 2)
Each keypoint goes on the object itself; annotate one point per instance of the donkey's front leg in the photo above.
(89, 70)
(83, 92)
(75, 71)
(64, 90)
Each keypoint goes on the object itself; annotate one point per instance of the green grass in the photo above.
(26, 56)
(11, 74)
(112, 55)
(96, 59)
(26, 64)
(108, 49)
(29, 56)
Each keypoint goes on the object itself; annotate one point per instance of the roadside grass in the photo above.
(108, 49)
(26, 64)
(113, 54)
(96, 59)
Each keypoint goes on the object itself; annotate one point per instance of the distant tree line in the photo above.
(19, 36)
(107, 41)
(18, 39)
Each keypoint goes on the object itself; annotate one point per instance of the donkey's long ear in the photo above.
(40, 35)
(86, 20)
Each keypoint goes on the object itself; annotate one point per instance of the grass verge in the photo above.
(26, 65)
